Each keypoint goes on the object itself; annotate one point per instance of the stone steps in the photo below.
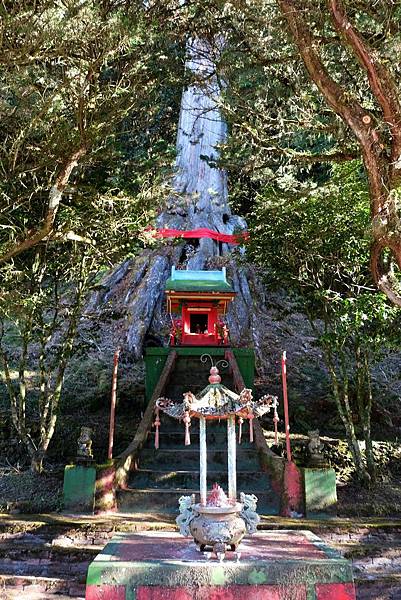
(165, 501)
(20, 550)
(376, 560)
(163, 475)
(43, 567)
(49, 565)
(190, 374)
(40, 588)
(170, 425)
(189, 459)
(189, 479)
(175, 440)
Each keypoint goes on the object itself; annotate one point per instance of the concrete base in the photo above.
(320, 492)
(79, 488)
(274, 565)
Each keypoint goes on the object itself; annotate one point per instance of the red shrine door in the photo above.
(199, 325)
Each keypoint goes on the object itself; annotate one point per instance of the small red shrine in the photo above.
(197, 301)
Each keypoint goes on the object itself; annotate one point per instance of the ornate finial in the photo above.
(214, 376)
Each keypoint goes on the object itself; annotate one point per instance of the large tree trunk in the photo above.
(199, 199)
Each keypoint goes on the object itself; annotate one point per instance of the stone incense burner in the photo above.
(219, 524)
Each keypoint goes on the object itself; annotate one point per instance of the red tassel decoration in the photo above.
(187, 421)
(275, 421)
(240, 421)
(251, 427)
(157, 425)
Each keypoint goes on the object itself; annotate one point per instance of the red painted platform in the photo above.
(274, 565)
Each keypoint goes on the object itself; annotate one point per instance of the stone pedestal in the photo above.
(320, 492)
(274, 565)
(79, 488)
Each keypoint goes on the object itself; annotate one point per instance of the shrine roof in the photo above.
(198, 281)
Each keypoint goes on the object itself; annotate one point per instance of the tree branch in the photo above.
(380, 79)
(55, 196)
(357, 118)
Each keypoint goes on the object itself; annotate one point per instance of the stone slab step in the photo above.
(211, 428)
(44, 567)
(175, 439)
(166, 500)
(20, 549)
(188, 458)
(140, 478)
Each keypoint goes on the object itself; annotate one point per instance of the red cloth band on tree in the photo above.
(239, 238)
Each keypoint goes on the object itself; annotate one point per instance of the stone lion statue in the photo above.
(84, 443)
(315, 449)
(315, 445)
(186, 514)
(248, 512)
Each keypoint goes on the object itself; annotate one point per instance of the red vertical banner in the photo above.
(285, 401)
(113, 403)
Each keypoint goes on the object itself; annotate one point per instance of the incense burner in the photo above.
(219, 527)
(220, 524)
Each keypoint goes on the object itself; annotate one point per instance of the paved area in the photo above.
(64, 545)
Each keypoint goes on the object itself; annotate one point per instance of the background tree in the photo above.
(78, 81)
(329, 91)
(85, 91)
(315, 245)
(43, 294)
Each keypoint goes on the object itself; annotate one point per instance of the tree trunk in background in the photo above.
(199, 198)
(201, 193)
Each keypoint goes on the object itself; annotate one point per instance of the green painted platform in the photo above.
(274, 565)
(320, 492)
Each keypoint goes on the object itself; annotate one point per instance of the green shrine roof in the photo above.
(198, 281)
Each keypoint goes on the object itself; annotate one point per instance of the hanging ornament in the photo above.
(275, 421)
(251, 417)
(157, 425)
(187, 422)
(240, 421)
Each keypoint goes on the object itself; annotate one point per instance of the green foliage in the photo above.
(315, 237)
(315, 244)
(87, 95)
(278, 116)
(94, 75)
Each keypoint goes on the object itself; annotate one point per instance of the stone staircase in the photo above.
(163, 475)
(44, 565)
